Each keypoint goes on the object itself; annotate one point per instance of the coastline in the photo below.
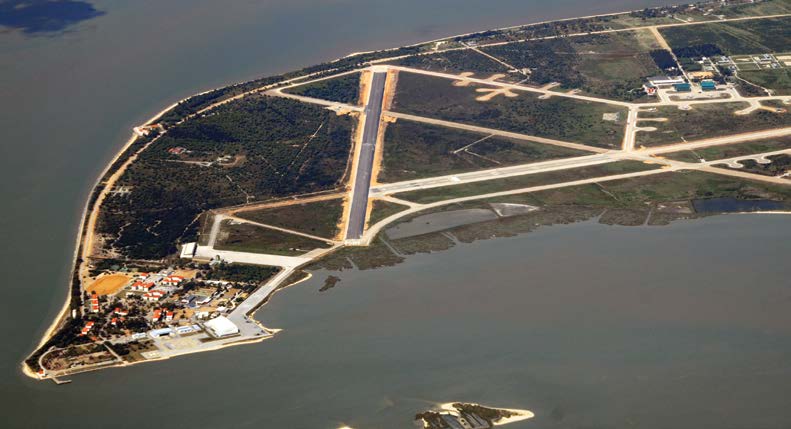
(64, 310)
(86, 228)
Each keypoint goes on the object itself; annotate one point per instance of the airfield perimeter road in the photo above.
(362, 179)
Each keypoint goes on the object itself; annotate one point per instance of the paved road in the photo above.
(365, 162)
(498, 173)
(717, 141)
(310, 100)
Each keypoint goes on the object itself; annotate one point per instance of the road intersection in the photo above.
(359, 233)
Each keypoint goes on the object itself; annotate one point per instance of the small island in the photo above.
(459, 415)
(638, 118)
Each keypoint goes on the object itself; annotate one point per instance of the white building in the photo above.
(221, 327)
(188, 250)
(665, 80)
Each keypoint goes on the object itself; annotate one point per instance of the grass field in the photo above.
(319, 218)
(606, 65)
(731, 151)
(767, 7)
(243, 237)
(777, 80)
(109, 284)
(517, 182)
(344, 89)
(704, 121)
(381, 210)
(734, 38)
(413, 150)
(664, 189)
(557, 117)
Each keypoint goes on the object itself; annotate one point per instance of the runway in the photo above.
(362, 179)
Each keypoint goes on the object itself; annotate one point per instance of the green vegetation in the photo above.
(244, 237)
(343, 89)
(766, 7)
(376, 255)
(705, 121)
(557, 117)
(731, 151)
(779, 166)
(455, 62)
(413, 150)
(382, 209)
(241, 273)
(697, 12)
(275, 151)
(319, 218)
(525, 181)
(611, 65)
(734, 38)
(776, 80)
(654, 199)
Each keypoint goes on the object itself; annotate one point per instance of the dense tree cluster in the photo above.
(697, 51)
(663, 59)
(344, 89)
(241, 273)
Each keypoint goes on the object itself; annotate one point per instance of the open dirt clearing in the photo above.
(108, 285)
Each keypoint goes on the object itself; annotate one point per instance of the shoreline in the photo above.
(86, 228)
(64, 310)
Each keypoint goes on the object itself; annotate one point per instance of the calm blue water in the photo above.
(733, 205)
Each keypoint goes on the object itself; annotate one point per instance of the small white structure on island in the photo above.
(221, 327)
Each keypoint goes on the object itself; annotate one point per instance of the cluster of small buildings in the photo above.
(160, 304)
(93, 302)
(157, 315)
(156, 286)
(677, 83)
(118, 314)
(86, 328)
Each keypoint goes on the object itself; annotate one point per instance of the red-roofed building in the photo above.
(86, 328)
(178, 150)
(153, 296)
(173, 280)
(142, 286)
(168, 316)
(94, 303)
(157, 314)
(114, 321)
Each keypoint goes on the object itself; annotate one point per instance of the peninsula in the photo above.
(218, 201)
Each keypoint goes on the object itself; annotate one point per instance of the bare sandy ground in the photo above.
(109, 284)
